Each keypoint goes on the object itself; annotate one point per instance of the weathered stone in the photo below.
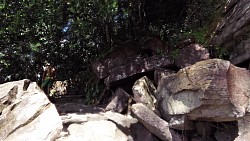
(119, 103)
(234, 21)
(230, 4)
(160, 73)
(81, 118)
(190, 55)
(211, 90)
(119, 119)
(144, 92)
(151, 121)
(137, 67)
(244, 128)
(233, 31)
(27, 115)
(126, 52)
(241, 52)
(109, 125)
(95, 131)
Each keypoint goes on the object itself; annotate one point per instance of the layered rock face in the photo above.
(233, 32)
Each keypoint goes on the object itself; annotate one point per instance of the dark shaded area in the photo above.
(169, 11)
(212, 131)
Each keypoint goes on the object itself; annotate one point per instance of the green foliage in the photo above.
(200, 35)
(35, 47)
(221, 53)
(70, 34)
(90, 87)
(174, 53)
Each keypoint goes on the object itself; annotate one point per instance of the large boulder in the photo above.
(136, 67)
(119, 56)
(211, 90)
(27, 114)
(127, 52)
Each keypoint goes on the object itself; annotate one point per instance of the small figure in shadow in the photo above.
(48, 78)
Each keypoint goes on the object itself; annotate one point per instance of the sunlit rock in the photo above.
(211, 90)
(27, 114)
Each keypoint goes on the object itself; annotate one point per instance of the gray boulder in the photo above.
(137, 66)
(211, 90)
(27, 115)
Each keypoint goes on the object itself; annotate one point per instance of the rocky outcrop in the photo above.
(141, 65)
(233, 31)
(153, 55)
(144, 92)
(27, 114)
(208, 100)
(211, 90)
(128, 52)
(152, 122)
